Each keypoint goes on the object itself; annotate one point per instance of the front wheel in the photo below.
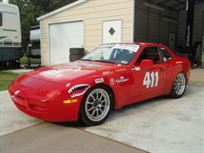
(179, 86)
(96, 106)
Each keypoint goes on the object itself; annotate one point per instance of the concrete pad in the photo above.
(197, 77)
(11, 119)
(53, 138)
(160, 125)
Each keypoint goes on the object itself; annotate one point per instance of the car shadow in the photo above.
(191, 90)
(77, 124)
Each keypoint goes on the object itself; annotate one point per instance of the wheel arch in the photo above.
(185, 74)
(171, 93)
(99, 85)
(111, 92)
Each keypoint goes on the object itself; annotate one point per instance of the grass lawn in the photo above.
(6, 78)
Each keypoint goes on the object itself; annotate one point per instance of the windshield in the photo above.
(114, 53)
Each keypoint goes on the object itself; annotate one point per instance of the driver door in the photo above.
(149, 75)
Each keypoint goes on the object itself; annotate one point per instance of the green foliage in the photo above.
(24, 60)
(50, 5)
(6, 78)
(31, 9)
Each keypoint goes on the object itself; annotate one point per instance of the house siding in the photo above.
(93, 13)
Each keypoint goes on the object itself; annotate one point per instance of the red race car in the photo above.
(110, 77)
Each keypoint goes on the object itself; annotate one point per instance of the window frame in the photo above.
(160, 55)
(1, 19)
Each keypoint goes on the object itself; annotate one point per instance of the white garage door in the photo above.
(64, 36)
(112, 31)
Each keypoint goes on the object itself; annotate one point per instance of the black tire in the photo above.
(85, 116)
(174, 91)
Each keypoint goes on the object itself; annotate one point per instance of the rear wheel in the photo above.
(96, 106)
(179, 86)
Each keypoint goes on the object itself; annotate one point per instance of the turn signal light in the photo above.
(70, 101)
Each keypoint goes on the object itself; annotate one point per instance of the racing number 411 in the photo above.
(151, 79)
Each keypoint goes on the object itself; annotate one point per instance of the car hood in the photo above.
(64, 73)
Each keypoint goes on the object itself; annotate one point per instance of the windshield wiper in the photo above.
(105, 61)
(86, 60)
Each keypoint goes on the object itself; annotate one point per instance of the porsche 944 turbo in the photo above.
(109, 77)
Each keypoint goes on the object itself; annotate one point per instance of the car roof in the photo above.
(147, 43)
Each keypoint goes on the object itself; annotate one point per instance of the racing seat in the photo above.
(124, 55)
(153, 56)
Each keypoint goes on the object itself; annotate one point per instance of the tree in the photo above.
(31, 9)
(50, 5)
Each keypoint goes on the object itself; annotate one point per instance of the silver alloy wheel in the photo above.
(97, 105)
(180, 84)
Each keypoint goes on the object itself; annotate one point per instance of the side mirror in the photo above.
(146, 62)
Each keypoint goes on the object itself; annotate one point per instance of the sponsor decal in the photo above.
(112, 81)
(89, 64)
(130, 47)
(81, 88)
(107, 72)
(99, 80)
(122, 79)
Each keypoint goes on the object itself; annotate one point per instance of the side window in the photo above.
(149, 53)
(1, 19)
(165, 54)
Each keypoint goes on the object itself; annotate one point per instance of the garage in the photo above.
(177, 24)
(64, 36)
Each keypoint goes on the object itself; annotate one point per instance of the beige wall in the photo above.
(93, 13)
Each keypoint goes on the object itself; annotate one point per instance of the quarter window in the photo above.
(165, 54)
(1, 18)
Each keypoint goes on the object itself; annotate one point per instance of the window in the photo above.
(1, 19)
(165, 54)
(113, 53)
(149, 53)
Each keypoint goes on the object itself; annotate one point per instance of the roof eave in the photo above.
(61, 9)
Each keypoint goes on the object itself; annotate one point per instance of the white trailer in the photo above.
(10, 36)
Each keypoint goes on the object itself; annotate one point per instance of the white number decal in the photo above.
(151, 79)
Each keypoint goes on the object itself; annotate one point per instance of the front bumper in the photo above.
(47, 109)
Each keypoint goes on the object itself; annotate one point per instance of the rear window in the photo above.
(1, 19)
